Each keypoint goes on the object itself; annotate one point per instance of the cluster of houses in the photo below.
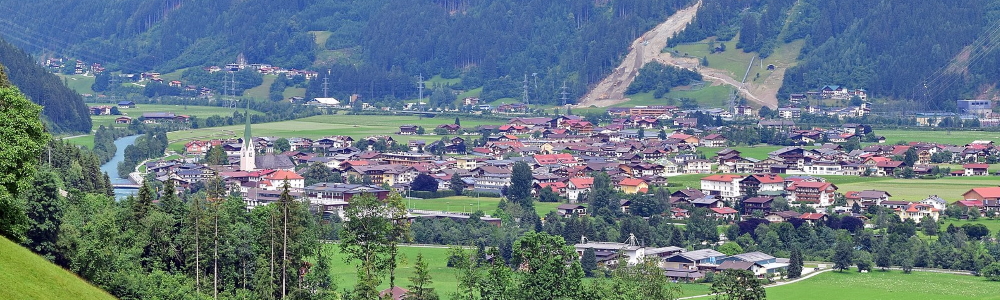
(564, 153)
(679, 264)
(148, 117)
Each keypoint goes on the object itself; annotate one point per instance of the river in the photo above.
(111, 167)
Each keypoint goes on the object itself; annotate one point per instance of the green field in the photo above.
(357, 126)
(25, 275)
(939, 136)
(887, 285)
(735, 61)
(262, 91)
(471, 204)
(79, 83)
(709, 96)
(190, 110)
(345, 275)
(948, 188)
(993, 225)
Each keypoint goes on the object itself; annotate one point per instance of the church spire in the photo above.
(247, 137)
(248, 159)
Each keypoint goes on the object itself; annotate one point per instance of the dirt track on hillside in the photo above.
(645, 49)
(648, 48)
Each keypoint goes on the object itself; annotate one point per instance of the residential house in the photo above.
(724, 213)
(693, 260)
(698, 166)
(714, 140)
(781, 216)
(633, 186)
(762, 184)
(976, 169)
(569, 210)
(818, 194)
(726, 186)
(408, 129)
(917, 212)
(577, 186)
(769, 264)
(866, 198)
(759, 204)
(983, 193)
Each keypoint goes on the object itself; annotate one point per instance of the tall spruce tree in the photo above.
(520, 185)
(795, 263)
(421, 281)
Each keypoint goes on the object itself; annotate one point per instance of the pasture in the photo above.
(471, 203)
(887, 286)
(357, 126)
(955, 137)
(200, 112)
(26, 275)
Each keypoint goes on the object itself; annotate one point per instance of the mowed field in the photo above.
(201, 112)
(890, 285)
(938, 136)
(471, 204)
(357, 126)
(444, 280)
(25, 275)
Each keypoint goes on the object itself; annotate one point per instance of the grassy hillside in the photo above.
(29, 276)
(887, 285)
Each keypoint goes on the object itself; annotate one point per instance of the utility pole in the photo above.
(420, 88)
(524, 98)
(326, 84)
(564, 93)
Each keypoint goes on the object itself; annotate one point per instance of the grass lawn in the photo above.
(293, 92)
(709, 96)
(79, 83)
(357, 126)
(940, 136)
(438, 80)
(262, 91)
(445, 283)
(321, 37)
(29, 276)
(993, 225)
(948, 188)
(887, 285)
(471, 204)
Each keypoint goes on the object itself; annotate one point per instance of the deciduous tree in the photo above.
(737, 285)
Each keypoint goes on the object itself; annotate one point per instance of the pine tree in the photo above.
(795, 263)
(420, 282)
(458, 122)
(589, 262)
(843, 252)
(457, 184)
(520, 185)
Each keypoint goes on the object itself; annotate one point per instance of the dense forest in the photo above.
(374, 48)
(935, 52)
(63, 109)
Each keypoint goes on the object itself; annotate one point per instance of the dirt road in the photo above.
(645, 49)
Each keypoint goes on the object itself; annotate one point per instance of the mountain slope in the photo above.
(931, 52)
(63, 109)
(29, 276)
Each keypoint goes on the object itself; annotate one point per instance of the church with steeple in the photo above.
(248, 153)
(249, 161)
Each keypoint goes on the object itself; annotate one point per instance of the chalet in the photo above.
(450, 128)
(917, 212)
(126, 104)
(100, 110)
(814, 218)
(714, 140)
(408, 129)
(866, 198)
(569, 210)
(123, 120)
(819, 194)
(781, 216)
(708, 201)
(724, 213)
(758, 184)
(577, 186)
(759, 204)
(887, 168)
(633, 186)
(157, 117)
(698, 166)
(976, 169)
(334, 197)
(983, 193)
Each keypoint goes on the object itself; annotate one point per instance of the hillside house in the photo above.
(817, 194)
(577, 186)
(714, 140)
(569, 210)
(633, 186)
(866, 198)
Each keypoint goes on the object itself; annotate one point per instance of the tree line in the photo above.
(63, 109)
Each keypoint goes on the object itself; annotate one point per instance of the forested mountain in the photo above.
(63, 109)
(929, 51)
(383, 44)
